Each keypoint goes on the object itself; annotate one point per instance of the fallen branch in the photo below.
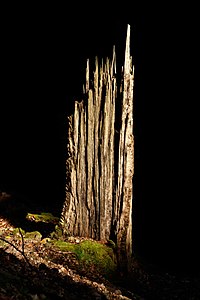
(22, 241)
(20, 251)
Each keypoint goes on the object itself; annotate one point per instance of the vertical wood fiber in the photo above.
(97, 199)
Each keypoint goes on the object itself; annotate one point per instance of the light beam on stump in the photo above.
(99, 188)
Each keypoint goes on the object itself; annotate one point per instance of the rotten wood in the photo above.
(99, 189)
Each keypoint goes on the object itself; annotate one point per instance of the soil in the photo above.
(32, 269)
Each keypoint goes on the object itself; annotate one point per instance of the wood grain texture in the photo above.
(99, 189)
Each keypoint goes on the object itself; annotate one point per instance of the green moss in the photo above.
(96, 256)
(65, 246)
(57, 233)
(18, 232)
(43, 217)
(34, 235)
(92, 256)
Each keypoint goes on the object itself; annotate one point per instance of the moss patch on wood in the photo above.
(43, 217)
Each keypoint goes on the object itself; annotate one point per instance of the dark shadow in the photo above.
(15, 209)
(166, 215)
(17, 278)
(36, 100)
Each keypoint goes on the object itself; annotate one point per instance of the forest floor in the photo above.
(33, 268)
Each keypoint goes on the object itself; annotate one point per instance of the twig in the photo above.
(22, 241)
(20, 251)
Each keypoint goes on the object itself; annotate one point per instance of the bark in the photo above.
(99, 188)
(90, 165)
(124, 192)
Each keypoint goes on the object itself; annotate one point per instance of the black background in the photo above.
(43, 58)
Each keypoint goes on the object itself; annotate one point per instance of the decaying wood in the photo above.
(124, 193)
(99, 201)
